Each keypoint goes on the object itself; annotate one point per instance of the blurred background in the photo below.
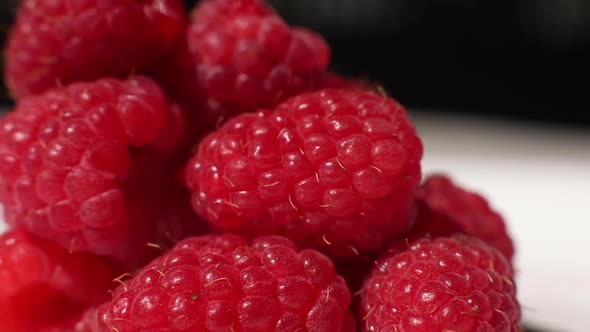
(499, 92)
(528, 59)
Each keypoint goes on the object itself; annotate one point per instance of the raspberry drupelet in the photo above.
(334, 170)
(90, 166)
(218, 283)
(238, 56)
(59, 42)
(444, 208)
(43, 286)
(445, 284)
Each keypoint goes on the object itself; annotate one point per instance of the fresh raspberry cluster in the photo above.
(166, 173)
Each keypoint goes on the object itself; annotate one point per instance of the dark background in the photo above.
(523, 59)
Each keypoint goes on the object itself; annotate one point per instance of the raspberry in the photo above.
(222, 283)
(83, 322)
(446, 284)
(239, 56)
(334, 170)
(89, 166)
(42, 285)
(67, 41)
(443, 208)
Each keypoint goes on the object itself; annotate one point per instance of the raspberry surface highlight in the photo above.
(334, 170)
(445, 284)
(222, 283)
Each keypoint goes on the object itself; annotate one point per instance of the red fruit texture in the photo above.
(238, 56)
(446, 284)
(59, 42)
(444, 208)
(90, 166)
(217, 283)
(82, 322)
(42, 286)
(334, 170)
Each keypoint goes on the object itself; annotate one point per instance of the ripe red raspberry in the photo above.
(222, 283)
(89, 166)
(42, 285)
(238, 56)
(67, 41)
(334, 169)
(446, 284)
(443, 208)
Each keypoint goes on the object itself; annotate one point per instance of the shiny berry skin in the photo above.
(444, 208)
(43, 286)
(222, 283)
(334, 170)
(238, 56)
(90, 166)
(445, 284)
(59, 42)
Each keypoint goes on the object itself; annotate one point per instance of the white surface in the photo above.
(539, 178)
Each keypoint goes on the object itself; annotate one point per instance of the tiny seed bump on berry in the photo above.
(359, 292)
(121, 282)
(218, 280)
(122, 276)
(153, 245)
(355, 251)
(381, 90)
(326, 240)
(270, 184)
(292, 204)
(227, 181)
(328, 294)
(72, 246)
(368, 314)
(230, 204)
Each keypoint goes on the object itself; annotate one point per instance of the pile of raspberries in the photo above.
(167, 172)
